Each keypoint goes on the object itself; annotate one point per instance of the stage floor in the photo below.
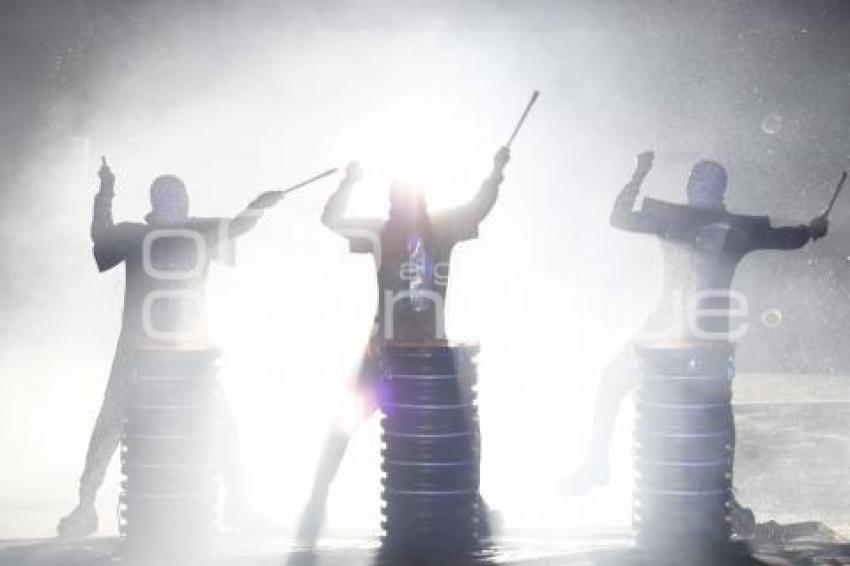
(607, 550)
(792, 445)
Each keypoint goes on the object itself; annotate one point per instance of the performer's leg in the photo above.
(237, 513)
(742, 518)
(618, 379)
(489, 521)
(232, 472)
(105, 437)
(348, 419)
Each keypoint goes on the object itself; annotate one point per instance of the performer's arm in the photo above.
(333, 215)
(110, 240)
(789, 237)
(623, 215)
(248, 218)
(463, 220)
(102, 221)
(482, 203)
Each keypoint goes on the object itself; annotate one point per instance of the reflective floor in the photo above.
(609, 550)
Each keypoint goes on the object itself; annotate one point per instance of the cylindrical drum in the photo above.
(431, 454)
(170, 456)
(684, 449)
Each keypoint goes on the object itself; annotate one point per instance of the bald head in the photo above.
(707, 185)
(169, 199)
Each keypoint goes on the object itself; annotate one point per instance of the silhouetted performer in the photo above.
(702, 244)
(412, 250)
(166, 260)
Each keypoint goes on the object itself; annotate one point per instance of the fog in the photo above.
(241, 98)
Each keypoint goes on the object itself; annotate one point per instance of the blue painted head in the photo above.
(169, 200)
(707, 186)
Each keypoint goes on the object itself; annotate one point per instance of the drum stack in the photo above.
(432, 507)
(684, 450)
(171, 457)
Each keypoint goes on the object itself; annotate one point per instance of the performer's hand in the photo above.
(818, 227)
(353, 173)
(107, 177)
(501, 158)
(644, 164)
(267, 199)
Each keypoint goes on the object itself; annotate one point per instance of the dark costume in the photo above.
(701, 248)
(412, 264)
(166, 264)
(412, 258)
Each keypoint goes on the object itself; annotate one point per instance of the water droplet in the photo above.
(772, 124)
(771, 318)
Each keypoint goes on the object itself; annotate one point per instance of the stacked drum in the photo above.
(432, 508)
(171, 456)
(684, 449)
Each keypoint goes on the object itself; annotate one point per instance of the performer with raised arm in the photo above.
(412, 252)
(162, 312)
(702, 244)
